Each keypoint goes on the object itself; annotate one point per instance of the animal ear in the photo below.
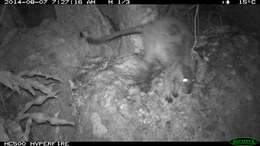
(174, 10)
(163, 10)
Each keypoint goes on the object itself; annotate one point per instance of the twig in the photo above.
(3, 103)
(195, 28)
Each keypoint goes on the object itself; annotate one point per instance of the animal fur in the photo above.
(167, 41)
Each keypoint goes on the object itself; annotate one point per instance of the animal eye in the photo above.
(185, 80)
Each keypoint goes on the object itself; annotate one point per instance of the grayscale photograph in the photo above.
(172, 72)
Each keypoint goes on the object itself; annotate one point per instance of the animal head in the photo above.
(181, 80)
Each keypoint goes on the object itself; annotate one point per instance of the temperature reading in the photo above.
(244, 2)
(123, 2)
(253, 2)
(226, 2)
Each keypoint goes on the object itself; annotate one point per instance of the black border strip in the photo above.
(117, 2)
(48, 143)
(43, 143)
(156, 143)
(165, 1)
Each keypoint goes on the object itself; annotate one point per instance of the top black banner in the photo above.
(124, 2)
(177, 1)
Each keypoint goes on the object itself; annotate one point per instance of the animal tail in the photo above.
(106, 38)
